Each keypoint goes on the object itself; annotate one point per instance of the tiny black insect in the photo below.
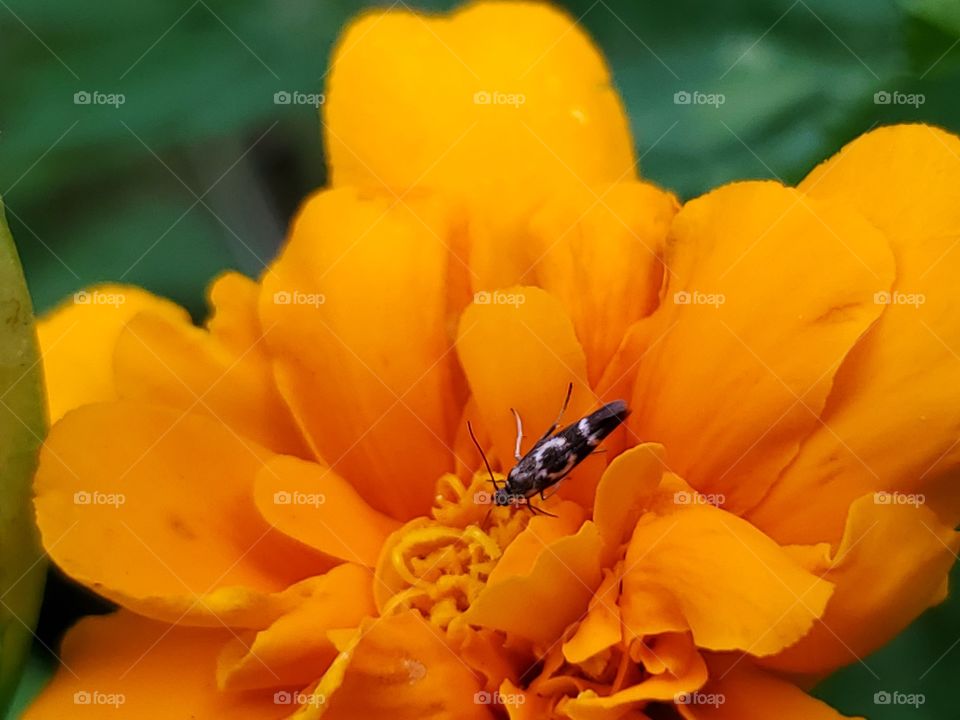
(554, 455)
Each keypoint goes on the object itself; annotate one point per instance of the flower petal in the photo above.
(707, 570)
(397, 667)
(173, 363)
(742, 359)
(170, 495)
(624, 494)
(123, 665)
(77, 341)
(523, 355)
(295, 650)
(903, 553)
(313, 504)
(495, 102)
(888, 427)
(739, 691)
(555, 592)
(600, 252)
(600, 628)
(355, 313)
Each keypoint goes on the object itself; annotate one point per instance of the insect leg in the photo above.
(516, 451)
(563, 409)
(538, 511)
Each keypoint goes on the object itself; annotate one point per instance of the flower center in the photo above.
(439, 566)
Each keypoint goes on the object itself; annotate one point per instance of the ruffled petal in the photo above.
(77, 341)
(396, 667)
(708, 571)
(496, 103)
(744, 350)
(355, 314)
(154, 510)
(313, 504)
(123, 665)
(739, 691)
(600, 252)
(295, 650)
(893, 418)
(903, 554)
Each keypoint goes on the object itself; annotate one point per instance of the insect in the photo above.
(554, 455)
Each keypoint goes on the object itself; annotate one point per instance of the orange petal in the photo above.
(888, 426)
(727, 582)
(739, 691)
(519, 350)
(173, 363)
(171, 496)
(684, 671)
(624, 494)
(555, 592)
(600, 252)
(313, 504)
(234, 321)
(600, 628)
(295, 650)
(746, 349)
(123, 665)
(499, 122)
(77, 341)
(903, 554)
(397, 667)
(355, 312)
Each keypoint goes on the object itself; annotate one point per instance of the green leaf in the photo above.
(22, 426)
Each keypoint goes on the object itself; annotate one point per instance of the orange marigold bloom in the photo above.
(285, 502)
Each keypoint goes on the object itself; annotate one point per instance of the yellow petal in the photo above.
(903, 554)
(732, 586)
(313, 504)
(555, 592)
(173, 363)
(154, 510)
(77, 341)
(355, 312)
(600, 252)
(519, 350)
(739, 691)
(397, 667)
(888, 426)
(123, 665)
(295, 650)
(624, 494)
(600, 628)
(497, 103)
(767, 291)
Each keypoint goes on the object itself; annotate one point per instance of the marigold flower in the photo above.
(286, 503)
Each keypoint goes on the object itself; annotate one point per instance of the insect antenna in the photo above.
(483, 455)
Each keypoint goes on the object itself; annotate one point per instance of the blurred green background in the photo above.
(200, 170)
